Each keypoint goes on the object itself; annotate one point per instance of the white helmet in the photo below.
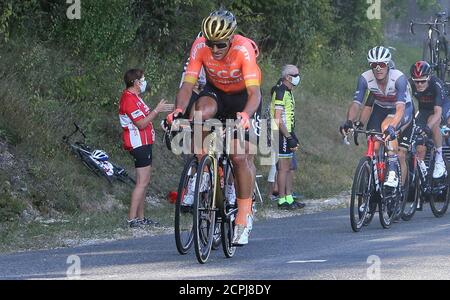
(100, 155)
(379, 54)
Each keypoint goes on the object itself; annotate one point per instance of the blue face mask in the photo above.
(143, 86)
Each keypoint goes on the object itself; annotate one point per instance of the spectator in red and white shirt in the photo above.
(138, 136)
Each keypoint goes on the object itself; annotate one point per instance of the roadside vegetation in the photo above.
(55, 71)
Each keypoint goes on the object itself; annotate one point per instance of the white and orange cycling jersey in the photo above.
(232, 74)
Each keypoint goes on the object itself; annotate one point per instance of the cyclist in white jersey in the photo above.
(392, 108)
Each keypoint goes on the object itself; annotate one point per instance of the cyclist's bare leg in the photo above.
(394, 145)
(437, 137)
(138, 194)
(205, 108)
(245, 173)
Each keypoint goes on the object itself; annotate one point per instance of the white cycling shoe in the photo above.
(439, 169)
(392, 180)
(231, 194)
(240, 236)
(189, 197)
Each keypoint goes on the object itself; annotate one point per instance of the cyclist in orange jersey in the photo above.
(232, 92)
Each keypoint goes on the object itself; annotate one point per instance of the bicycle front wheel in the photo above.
(413, 195)
(184, 228)
(362, 190)
(204, 210)
(440, 197)
(228, 215)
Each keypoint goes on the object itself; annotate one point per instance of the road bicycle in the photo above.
(210, 220)
(102, 168)
(435, 47)
(368, 189)
(424, 187)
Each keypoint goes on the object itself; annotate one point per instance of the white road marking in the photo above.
(305, 261)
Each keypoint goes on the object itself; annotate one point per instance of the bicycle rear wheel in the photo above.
(184, 225)
(362, 190)
(204, 212)
(440, 197)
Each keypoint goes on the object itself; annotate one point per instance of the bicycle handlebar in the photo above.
(412, 23)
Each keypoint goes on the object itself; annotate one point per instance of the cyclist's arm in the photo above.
(183, 96)
(365, 114)
(436, 118)
(402, 87)
(367, 109)
(190, 76)
(252, 77)
(254, 99)
(353, 110)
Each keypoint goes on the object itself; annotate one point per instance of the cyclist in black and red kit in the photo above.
(433, 108)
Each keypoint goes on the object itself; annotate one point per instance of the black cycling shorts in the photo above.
(142, 156)
(284, 150)
(379, 114)
(423, 116)
(230, 104)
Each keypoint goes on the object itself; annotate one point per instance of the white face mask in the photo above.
(295, 80)
(143, 86)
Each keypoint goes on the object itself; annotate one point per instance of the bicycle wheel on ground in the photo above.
(184, 225)
(217, 237)
(413, 197)
(440, 196)
(228, 213)
(390, 202)
(204, 212)
(404, 193)
(362, 190)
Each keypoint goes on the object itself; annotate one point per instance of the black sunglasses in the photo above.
(211, 44)
(294, 75)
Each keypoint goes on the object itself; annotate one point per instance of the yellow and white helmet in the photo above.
(219, 25)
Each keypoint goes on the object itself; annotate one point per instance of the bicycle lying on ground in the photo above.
(435, 48)
(424, 187)
(96, 160)
(368, 190)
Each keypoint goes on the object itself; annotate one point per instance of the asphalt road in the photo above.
(316, 246)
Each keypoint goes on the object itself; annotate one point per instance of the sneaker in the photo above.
(273, 198)
(439, 169)
(250, 218)
(230, 194)
(134, 223)
(284, 205)
(188, 199)
(392, 180)
(240, 236)
(146, 221)
(297, 205)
